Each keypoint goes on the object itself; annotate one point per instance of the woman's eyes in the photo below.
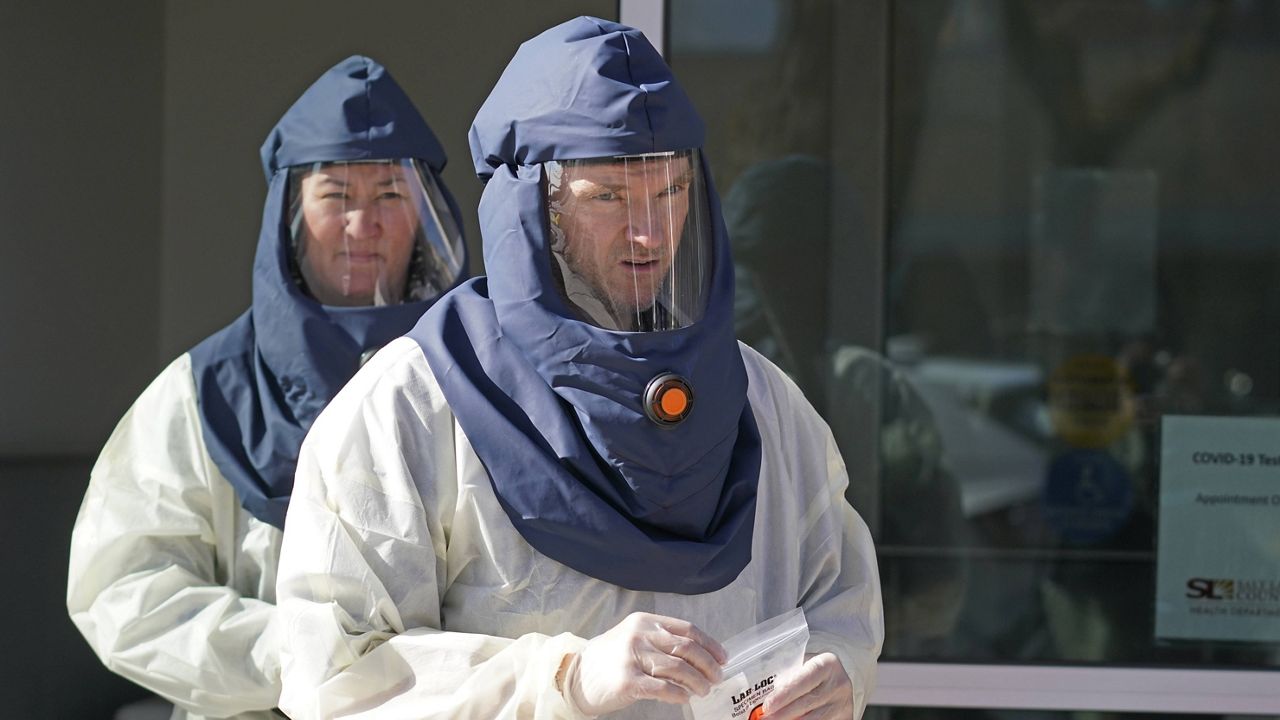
(388, 195)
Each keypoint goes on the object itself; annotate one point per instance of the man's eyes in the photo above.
(665, 192)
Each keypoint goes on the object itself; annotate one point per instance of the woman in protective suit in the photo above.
(174, 552)
(569, 482)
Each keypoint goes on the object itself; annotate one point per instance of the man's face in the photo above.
(359, 222)
(622, 222)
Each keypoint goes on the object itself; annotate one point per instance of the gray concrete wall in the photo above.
(47, 669)
(80, 164)
(80, 159)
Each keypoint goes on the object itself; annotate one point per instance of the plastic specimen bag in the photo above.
(758, 657)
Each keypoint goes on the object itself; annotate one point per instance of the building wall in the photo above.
(80, 160)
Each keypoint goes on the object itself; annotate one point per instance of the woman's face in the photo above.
(358, 226)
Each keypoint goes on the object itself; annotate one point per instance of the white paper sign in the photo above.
(1218, 561)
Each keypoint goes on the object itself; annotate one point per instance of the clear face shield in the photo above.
(371, 232)
(631, 243)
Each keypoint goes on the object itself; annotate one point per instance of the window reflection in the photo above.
(1081, 238)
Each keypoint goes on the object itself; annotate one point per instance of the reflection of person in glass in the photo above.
(174, 553)
(777, 214)
(493, 520)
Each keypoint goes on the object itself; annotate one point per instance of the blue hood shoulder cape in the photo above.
(263, 379)
(552, 405)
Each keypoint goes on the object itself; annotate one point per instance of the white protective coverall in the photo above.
(405, 591)
(170, 580)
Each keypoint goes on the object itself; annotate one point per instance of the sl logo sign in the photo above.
(1205, 589)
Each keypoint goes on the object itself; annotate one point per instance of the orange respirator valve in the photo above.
(668, 399)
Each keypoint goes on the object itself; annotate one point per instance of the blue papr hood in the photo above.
(553, 405)
(617, 97)
(355, 111)
(262, 380)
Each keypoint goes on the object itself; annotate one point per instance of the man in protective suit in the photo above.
(174, 553)
(559, 492)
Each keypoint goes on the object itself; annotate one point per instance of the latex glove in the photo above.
(819, 690)
(644, 657)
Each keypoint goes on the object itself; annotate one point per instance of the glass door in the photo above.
(1025, 259)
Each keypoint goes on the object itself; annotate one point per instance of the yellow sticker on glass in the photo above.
(1090, 401)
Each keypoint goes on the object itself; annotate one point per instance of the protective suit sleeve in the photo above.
(839, 580)
(142, 584)
(842, 596)
(363, 571)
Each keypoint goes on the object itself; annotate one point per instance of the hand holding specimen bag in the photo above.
(758, 658)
